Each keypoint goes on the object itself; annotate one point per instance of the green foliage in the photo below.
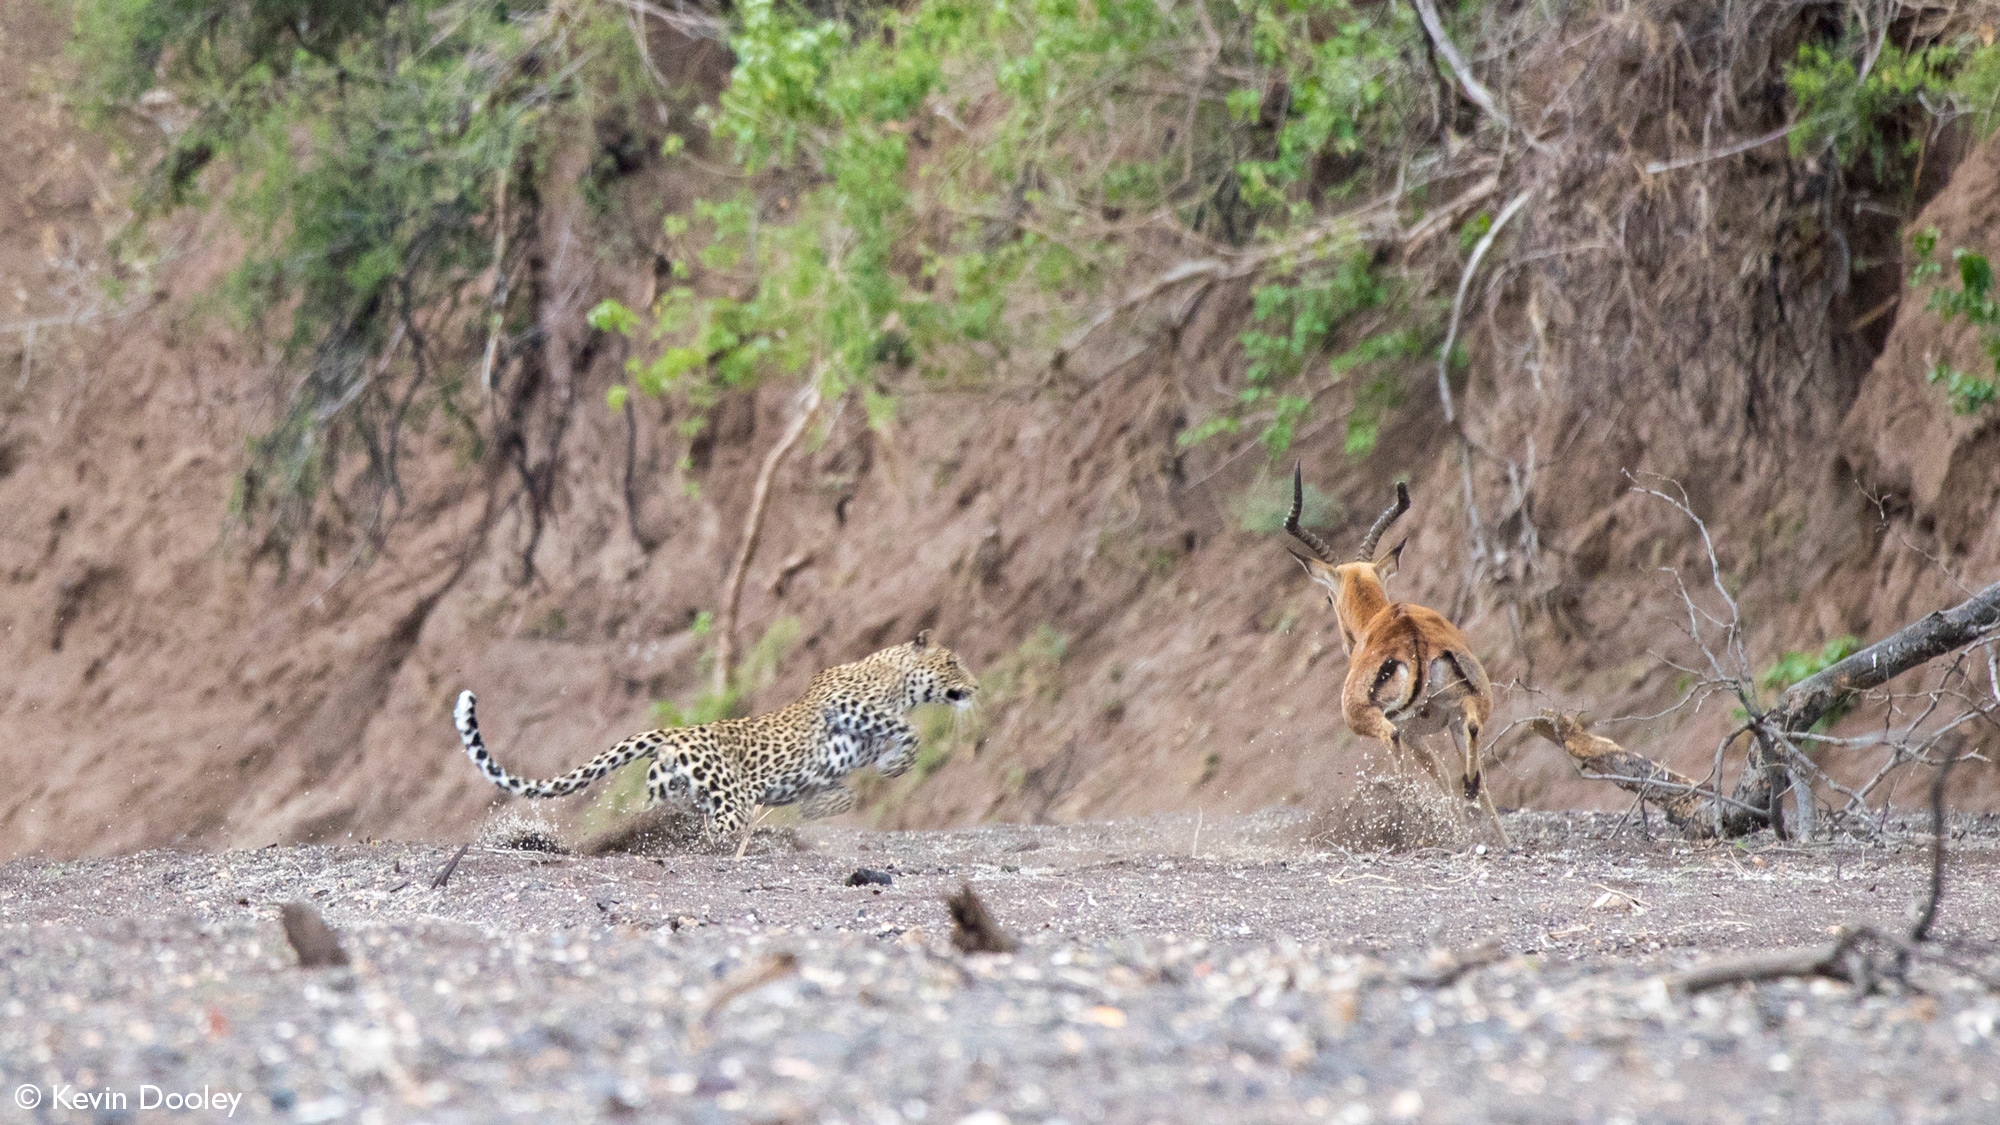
(754, 672)
(363, 150)
(1032, 672)
(1973, 300)
(759, 666)
(1338, 66)
(1297, 323)
(1976, 88)
(1877, 120)
(1855, 115)
(1794, 666)
(850, 260)
(708, 706)
(913, 190)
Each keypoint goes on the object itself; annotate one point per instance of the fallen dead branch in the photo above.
(1776, 764)
(1838, 959)
(1777, 732)
(1917, 643)
(1688, 807)
(1861, 955)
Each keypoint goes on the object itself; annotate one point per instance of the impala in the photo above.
(1410, 672)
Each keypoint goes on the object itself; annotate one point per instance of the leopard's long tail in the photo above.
(638, 746)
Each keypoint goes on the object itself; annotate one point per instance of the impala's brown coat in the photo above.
(1409, 670)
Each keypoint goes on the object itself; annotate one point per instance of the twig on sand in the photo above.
(1849, 957)
(1446, 966)
(444, 873)
(774, 966)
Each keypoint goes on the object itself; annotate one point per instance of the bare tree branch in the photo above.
(1688, 807)
(753, 530)
(1514, 205)
(1811, 698)
(1474, 89)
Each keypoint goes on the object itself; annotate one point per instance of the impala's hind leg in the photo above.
(1465, 734)
(1427, 757)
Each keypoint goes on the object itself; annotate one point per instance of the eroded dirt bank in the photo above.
(1147, 646)
(1256, 979)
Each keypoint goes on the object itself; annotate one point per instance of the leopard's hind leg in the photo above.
(831, 800)
(713, 782)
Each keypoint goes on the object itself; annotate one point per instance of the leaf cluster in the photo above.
(1875, 116)
(1972, 300)
(1793, 666)
(367, 153)
(932, 188)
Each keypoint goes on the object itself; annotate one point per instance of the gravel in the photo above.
(1260, 978)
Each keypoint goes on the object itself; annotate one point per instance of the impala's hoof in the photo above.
(1472, 788)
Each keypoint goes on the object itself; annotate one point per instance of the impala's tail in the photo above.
(642, 745)
(1419, 664)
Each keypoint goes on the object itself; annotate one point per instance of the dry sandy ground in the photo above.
(1245, 976)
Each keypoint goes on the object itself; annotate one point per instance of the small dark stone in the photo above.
(864, 876)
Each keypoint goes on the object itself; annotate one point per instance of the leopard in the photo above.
(851, 716)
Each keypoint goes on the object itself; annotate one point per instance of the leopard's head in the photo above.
(935, 674)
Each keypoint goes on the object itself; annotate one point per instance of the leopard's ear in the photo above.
(923, 640)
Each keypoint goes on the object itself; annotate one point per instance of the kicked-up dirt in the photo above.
(1183, 969)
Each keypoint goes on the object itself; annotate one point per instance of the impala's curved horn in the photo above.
(1383, 521)
(1292, 524)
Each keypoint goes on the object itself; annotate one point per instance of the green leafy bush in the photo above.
(1296, 323)
(1973, 300)
(1075, 126)
(372, 156)
(1878, 119)
(1855, 114)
